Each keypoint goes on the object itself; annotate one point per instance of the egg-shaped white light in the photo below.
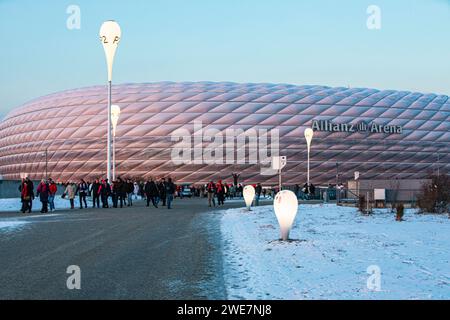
(285, 205)
(115, 113)
(249, 195)
(309, 133)
(110, 34)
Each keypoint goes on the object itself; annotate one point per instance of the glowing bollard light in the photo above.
(286, 206)
(249, 195)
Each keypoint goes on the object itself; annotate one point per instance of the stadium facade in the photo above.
(382, 134)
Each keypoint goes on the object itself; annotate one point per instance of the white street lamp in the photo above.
(115, 113)
(309, 133)
(285, 205)
(249, 195)
(110, 34)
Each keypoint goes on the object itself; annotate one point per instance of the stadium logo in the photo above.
(372, 127)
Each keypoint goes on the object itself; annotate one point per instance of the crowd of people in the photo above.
(122, 192)
(119, 193)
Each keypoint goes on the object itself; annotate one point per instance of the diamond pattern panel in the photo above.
(71, 125)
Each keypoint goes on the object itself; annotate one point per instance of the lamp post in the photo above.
(45, 154)
(309, 133)
(110, 34)
(115, 113)
(338, 191)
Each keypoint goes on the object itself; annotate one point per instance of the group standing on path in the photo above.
(120, 193)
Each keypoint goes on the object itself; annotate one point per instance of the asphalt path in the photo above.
(135, 252)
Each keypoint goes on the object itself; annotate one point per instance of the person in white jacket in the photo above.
(136, 190)
(70, 194)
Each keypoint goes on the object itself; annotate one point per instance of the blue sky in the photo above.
(280, 41)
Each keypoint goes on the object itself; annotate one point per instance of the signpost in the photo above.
(279, 163)
(357, 182)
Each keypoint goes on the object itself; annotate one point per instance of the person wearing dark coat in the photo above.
(162, 191)
(26, 194)
(129, 191)
(31, 190)
(220, 190)
(258, 190)
(104, 192)
(170, 191)
(115, 193)
(151, 192)
(95, 196)
(43, 192)
(211, 189)
(82, 190)
(121, 191)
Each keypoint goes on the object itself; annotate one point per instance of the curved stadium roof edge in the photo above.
(72, 125)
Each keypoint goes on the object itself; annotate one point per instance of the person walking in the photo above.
(170, 191)
(95, 186)
(162, 191)
(52, 188)
(151, 192)
(136, 190)
(121, 191)
(23, 189)
(258, 191)
(130, 191)
(43, 192)
(141, 189)
(115, 193)
(297, 190)
(211, 189)
(82, 190)
(70, 193)
(104, 192)
(220, 190)
(30, 188)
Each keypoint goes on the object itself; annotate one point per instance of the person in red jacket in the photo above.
(43, 193)
(52, 189)
(220, 190)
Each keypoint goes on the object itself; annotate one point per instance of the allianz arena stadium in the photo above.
(382, 134)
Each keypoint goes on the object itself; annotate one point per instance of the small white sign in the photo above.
(279, 163)
(379, 194)
(283, 162)
(356, 175)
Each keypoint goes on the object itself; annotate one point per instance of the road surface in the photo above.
(131, 253)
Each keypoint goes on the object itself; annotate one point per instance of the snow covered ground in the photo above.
(333, 248)
(11, 225)
(14, 204)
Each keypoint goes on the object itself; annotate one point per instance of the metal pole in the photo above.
(357, 187)
(114, 158)
(46, 164)
(438, 173)
(279, 180)
(307, 179)
(338, 191)
(108, 169)
(367, 201)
